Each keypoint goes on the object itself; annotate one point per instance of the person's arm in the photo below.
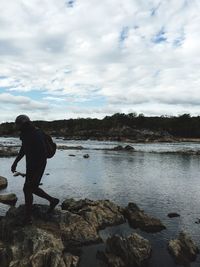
(18, 158)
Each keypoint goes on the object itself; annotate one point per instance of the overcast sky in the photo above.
(63, 59)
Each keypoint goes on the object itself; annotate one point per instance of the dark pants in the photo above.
(31, 186)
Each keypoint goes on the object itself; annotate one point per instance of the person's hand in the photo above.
(13, 167)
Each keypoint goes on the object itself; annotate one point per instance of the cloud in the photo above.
(136, 55)
(23, 102)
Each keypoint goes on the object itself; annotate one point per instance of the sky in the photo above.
(62, 59)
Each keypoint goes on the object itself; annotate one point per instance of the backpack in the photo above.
(50, 146)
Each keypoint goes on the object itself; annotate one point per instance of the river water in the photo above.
(156, 181)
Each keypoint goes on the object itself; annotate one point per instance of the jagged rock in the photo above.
(173, 215)
(138, 219)
(131, 251)
(9, 199)
(5, 255)
(183, 249)
(3, 182)
(49, 241)
(99, 213)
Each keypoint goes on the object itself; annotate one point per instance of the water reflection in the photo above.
(159, 183)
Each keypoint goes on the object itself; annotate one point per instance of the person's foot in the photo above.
(53, 204)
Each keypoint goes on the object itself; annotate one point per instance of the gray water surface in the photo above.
(159, 183)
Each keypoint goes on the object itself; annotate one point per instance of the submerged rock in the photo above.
(131, 251)
(138, 219)
(121, 148)
(99, 213)
(173, 215)
(9, 199)
(183, 249)
(3, 182)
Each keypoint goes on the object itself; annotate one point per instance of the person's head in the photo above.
(22, 120)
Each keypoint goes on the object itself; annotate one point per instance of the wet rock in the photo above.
(131, 251)
(5, 255)
(52, 240)
(183, 249)
(198, 221)
(9, 199)
(86, 156)
(72, 155)
(138, 219)
(63, 147)
(8, 152)
(173, 215)
(118, 148)
(129, 148)
(3, 182)
(99, 213)
(121, 148)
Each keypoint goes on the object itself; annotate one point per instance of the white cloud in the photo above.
(138, 55)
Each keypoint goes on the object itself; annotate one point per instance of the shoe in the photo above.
(53, 204)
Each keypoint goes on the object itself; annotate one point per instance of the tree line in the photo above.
(183, 125)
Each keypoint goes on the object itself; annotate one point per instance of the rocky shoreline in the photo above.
(57, 239)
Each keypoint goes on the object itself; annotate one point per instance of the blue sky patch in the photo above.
(160, 37)
(70, 3)
(123, 34)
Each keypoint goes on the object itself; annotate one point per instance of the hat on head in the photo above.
(21, 119)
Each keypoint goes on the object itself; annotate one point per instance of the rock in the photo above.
(118, 148)
(52, 240)
(5, 255)
(9, 199)
(198, 221)
(133, 250)
(129, 148)
(173, 215)
(183, 249)
(138, 219)
(8, 152)
(121, 148)
(63, 147)
(72, 155)
(37, 247)
(3, 182)
(86, 156)
(99, 213)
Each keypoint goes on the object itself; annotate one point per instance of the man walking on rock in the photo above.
(33, 147)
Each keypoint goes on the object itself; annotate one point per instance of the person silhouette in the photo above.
(33, 148)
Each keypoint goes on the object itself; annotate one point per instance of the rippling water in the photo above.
(159, 183)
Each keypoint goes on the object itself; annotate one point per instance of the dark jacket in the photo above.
(33, 146)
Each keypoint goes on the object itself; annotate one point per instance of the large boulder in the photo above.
(132, 251)
(3, 182)
(183, 249)
(9, 199)
(138, 219)
(99, 213)
(52, 240)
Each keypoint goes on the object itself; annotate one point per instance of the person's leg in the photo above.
(41, 193)
(28, 195)
(36, 178)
